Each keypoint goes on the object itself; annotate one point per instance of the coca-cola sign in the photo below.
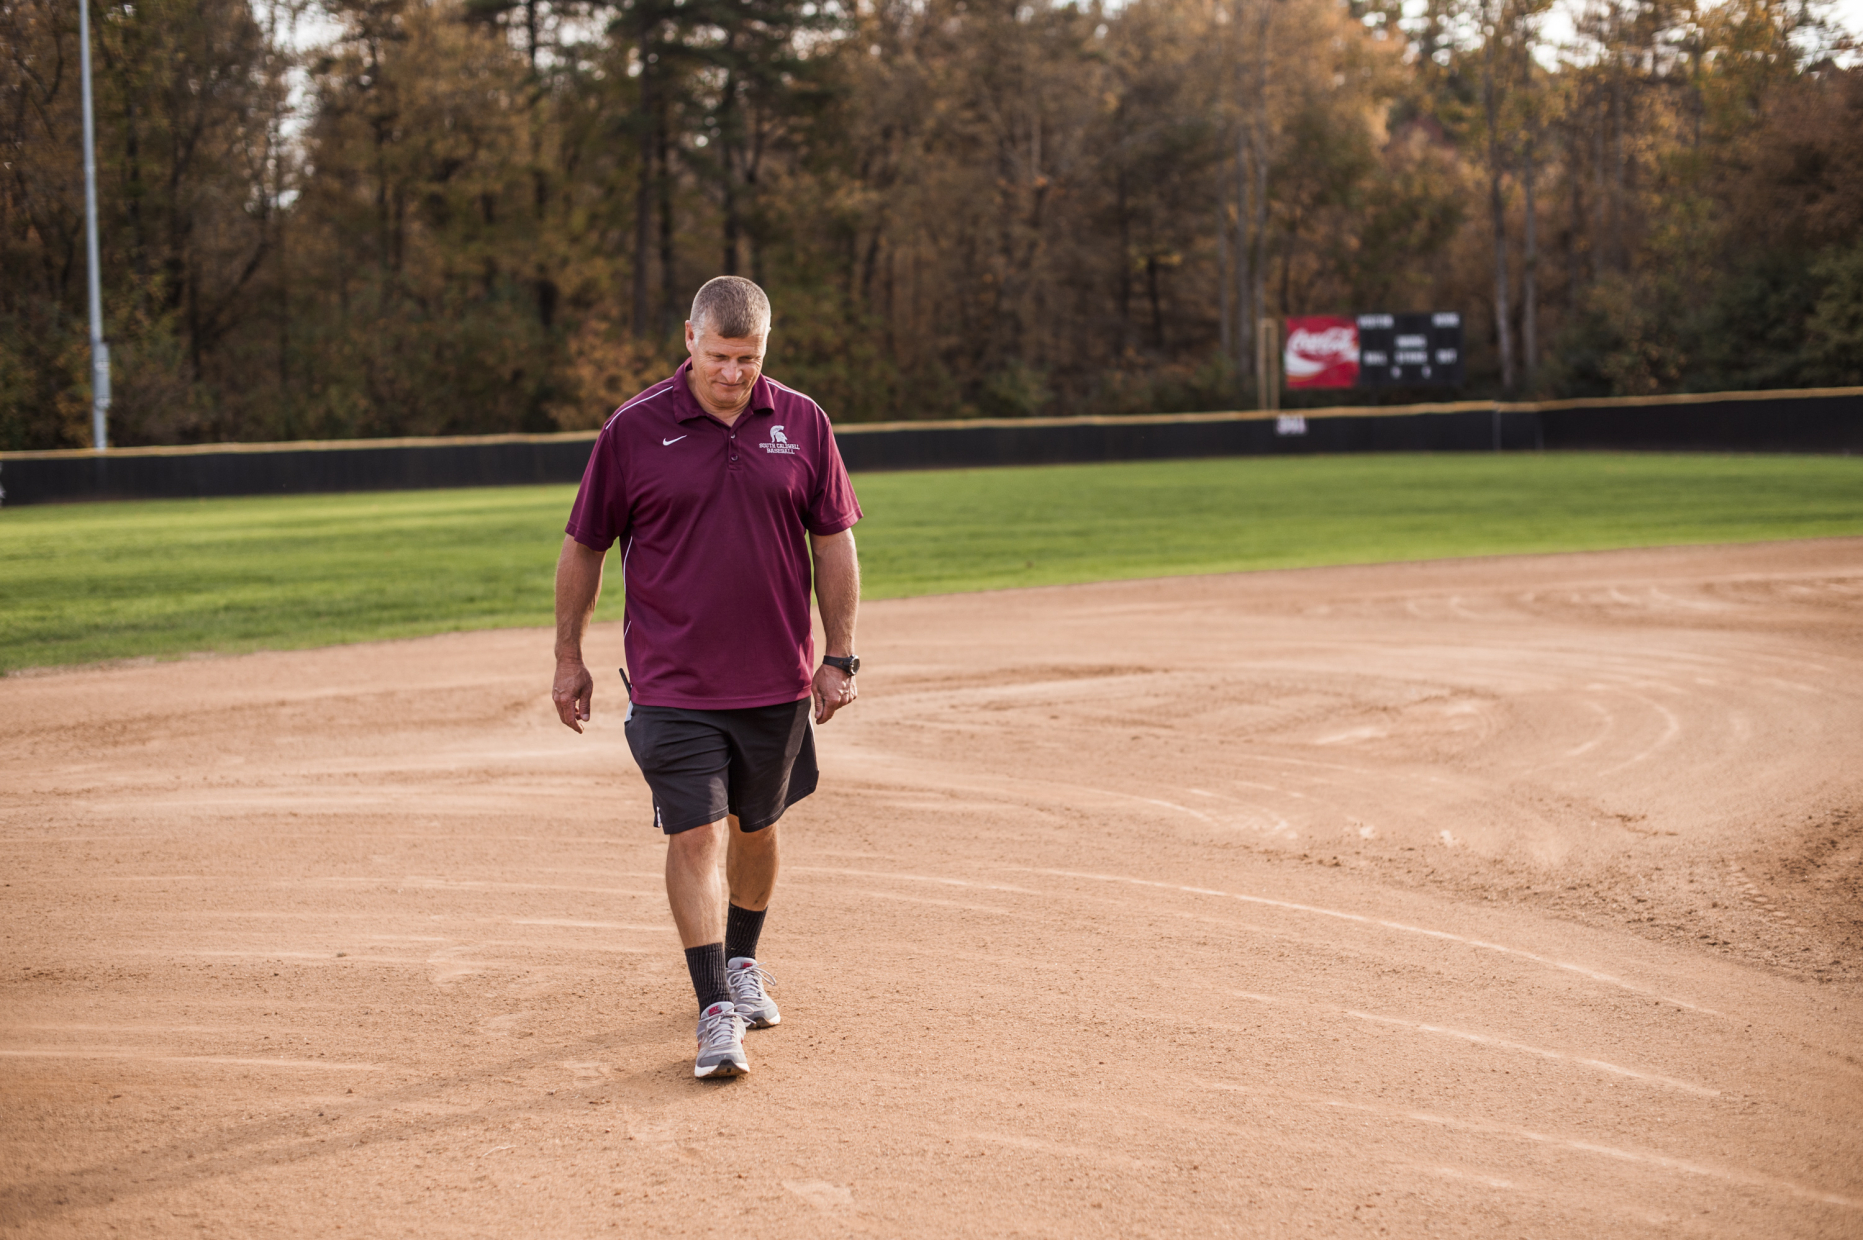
(1321, 352)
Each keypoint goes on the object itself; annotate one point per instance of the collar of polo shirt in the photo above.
(762, 398)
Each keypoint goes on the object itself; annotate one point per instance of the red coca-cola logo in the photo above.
(1321, 352)
(1329, 345)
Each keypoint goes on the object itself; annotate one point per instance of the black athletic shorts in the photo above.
(703, 764)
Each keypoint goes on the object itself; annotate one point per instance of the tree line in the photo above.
(395, 217)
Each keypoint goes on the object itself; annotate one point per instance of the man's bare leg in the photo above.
(751, 863)
(720, 915)
(694, 887)
(695, 891)
(710, 869)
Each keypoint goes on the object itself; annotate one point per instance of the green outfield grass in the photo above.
(99, 581)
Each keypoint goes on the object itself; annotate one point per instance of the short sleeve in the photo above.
(600, 514)
(833, 507)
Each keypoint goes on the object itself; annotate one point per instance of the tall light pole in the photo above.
(100, 352)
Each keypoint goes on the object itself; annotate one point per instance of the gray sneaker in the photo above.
(747, 978)
(721, 1042)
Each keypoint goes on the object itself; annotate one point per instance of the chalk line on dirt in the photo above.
(1752, 1179)
(1399, 926)
(1442, 1030)
(1485, 1040)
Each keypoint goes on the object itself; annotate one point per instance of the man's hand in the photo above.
(832, 689)
(572, 691)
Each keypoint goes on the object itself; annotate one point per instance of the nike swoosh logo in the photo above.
(667, 442)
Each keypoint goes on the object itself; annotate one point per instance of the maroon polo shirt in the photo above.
(713, 521)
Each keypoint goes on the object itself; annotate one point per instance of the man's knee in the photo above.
(760, 839)
(696, 842)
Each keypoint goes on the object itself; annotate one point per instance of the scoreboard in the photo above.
(1409, 350)
(1373, 350)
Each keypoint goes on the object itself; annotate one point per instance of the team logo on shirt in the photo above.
(779, 442)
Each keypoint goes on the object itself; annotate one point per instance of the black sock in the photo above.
(742, 927)
(706, 965)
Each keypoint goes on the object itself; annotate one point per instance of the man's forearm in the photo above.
(578, 585)
(837, 589)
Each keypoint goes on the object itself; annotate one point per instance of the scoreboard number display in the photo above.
(1409, 350)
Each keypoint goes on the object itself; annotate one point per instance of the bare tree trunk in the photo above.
(1251, 190)
(544, 284)
(1529, 272)
(1258, 130)
(1259, 265)
(1618, 254)
(1122, 279)
(132, 159)
(1034, 304)
(1530, 249)
(752, 161)
(1601, 207)
(732, 225)
(1225, 315)
(1225, 318)
(1287, 263)
(643, 194)
(728, 256)
(1574, 265)
(1245, 301)
(1497, 204)
(1123, 288)
(670, 317)
(868, 265)
(1503, 334)
(1154, 295)
(284, 311)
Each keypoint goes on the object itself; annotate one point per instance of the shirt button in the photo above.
(734, 456)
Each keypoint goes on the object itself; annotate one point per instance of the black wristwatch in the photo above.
(849, 663)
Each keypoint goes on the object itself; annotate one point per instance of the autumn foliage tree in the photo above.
(389, 217)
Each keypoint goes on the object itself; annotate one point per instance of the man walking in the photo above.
(724, 489)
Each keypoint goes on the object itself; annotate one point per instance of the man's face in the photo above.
(723, 370)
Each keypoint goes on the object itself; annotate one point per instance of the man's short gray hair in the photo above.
(733, 308)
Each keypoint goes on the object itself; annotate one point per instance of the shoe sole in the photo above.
(761, 1023)
(720, 1071)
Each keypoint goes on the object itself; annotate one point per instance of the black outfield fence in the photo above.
(1828, 420)
(1056, 441)
(1823, 420)
(292, 468)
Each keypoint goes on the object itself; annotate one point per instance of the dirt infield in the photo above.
(1512, 897)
